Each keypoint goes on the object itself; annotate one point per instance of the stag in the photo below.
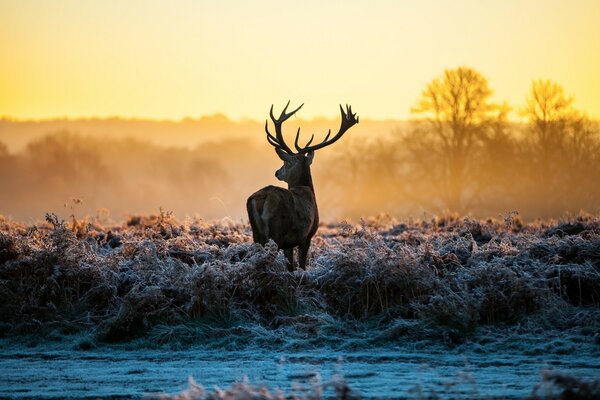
(290, 217)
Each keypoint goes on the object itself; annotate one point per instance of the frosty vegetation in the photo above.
(157, 281)
(553, 385)
(245, 390)
(193, 281)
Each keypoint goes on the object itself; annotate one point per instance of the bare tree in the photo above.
(445, 150)
(562, 146)
(549, 112)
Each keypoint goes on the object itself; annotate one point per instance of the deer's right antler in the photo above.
(349, 119)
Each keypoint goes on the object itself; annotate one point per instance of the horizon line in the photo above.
(214, 117)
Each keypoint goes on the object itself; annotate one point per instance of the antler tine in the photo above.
(349, 119)
(298, 137)
(283, 116)
(271, 113)
(277, 140)
(270, 138)
(296, 141)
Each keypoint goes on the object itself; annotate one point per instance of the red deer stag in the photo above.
(290, 216)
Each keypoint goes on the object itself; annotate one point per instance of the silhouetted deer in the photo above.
(290, 216)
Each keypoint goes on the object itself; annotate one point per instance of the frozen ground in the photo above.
(446, 307)
(469, 371)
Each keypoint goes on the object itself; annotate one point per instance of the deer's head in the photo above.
(296, 165)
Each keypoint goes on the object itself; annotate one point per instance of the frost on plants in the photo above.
(155, 276)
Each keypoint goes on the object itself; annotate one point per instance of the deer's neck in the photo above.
(309, 200)
(304, 179)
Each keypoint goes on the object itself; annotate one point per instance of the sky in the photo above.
(176, 59)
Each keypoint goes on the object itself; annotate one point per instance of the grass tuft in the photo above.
(157, 276)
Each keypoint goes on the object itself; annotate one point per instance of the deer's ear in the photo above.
(283, 155)
(310, 156)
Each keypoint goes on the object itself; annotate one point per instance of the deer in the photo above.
(290, 217)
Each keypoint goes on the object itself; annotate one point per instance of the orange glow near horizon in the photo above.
(150, 59)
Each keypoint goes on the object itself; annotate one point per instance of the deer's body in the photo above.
(273, 211)
(290, 217)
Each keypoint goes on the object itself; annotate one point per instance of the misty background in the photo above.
(460, 154)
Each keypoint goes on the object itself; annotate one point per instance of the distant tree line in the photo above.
(460, 154)
(463, 156)
(67, 173)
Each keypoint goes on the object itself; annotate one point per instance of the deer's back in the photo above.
(289, 217)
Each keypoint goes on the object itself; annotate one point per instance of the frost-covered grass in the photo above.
(167, 280)
(244, 390)
(555, 386)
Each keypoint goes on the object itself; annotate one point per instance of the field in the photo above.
(135, 138)
(444, 287)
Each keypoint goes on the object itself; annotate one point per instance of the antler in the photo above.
(277, 140)
(349, 119)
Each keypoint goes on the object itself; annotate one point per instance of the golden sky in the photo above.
(171, 59)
